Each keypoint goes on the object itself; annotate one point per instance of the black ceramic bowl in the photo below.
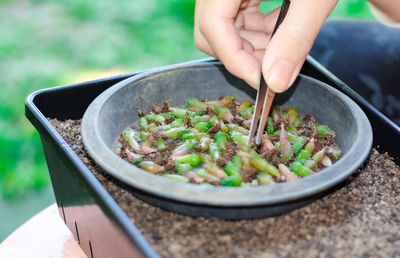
(116, 109)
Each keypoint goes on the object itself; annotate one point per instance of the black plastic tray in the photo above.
(95, 219)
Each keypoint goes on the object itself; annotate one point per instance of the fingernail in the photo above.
(281, 75)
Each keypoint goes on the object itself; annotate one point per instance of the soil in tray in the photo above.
(360, 217)
(184, 145)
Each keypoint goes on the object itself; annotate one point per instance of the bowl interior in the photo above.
(177, 86)
(116, 108)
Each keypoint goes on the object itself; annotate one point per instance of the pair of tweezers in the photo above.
(265, 95)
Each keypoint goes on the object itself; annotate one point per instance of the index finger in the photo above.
(225, 41)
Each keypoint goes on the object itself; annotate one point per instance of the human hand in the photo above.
(238, 34)
(389, 7)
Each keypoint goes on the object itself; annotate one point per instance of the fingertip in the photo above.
(250, 76)
(293, 79)
(243, 65)
(253, 81)
(281, 75)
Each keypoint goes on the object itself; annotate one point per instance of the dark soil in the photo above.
(213, 130)
(158, 109)
(359, 218)
(141, 112)
(210, 112)
(272, 154)
(231, 149)
(249, 174)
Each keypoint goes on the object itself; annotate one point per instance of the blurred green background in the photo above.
(46, 43)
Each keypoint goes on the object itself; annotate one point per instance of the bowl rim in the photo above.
(223, 196)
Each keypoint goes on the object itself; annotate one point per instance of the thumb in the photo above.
(288, 48)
